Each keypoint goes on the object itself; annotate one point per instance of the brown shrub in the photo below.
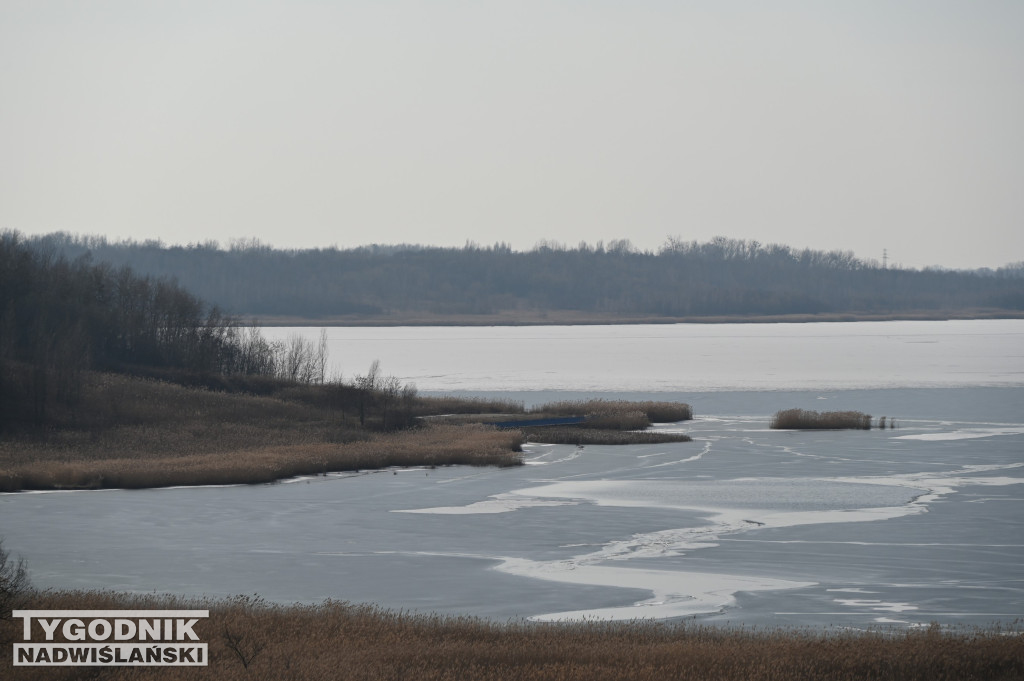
(803, 419)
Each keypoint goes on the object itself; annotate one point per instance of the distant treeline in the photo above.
(681, 279)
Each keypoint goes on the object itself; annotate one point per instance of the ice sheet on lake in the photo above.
(658, 358)
(732, 507)
(876, 604)
(675, 593)
(499, 503)
(963, 434)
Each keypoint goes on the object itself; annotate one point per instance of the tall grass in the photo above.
(599, 436)
(656, 412)
(603, 415)
(474, 445)
(133, 432)
(449, 404)
(804, 419)
(623, 419)
(336, 640)
(136, 432)
(616, 414)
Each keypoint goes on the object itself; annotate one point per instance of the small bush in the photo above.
(804, 419)
(666, 412)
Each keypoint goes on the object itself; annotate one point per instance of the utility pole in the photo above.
(885, 259)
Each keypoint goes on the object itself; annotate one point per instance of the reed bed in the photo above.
(136, 432)
(624, 419)
(654, 411)
(132, 432)
(449, 404)
(569, 435)
(804, 419)
(602, 415)
(123, 417)
(250, 639)
(474, 445)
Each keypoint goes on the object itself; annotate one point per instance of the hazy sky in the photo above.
(834, 124)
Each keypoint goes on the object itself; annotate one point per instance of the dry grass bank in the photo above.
(127, 432)
(123, 417)
(473, 445)
(341, 641)
(130, 432)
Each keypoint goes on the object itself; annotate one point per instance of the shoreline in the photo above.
(578, 318)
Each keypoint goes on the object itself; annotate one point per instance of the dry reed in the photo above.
(449, 404)
(804, 419)
(340, 640)
(131, 432)
(656, 412)
(474, 445)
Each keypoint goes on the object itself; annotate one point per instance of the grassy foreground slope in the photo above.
(250, 639)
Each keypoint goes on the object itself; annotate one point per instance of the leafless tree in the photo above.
(301, 360)
(321, 358)
(390, 388)
(407, 400)
(367, 384)
(14, 583)
(245, 652)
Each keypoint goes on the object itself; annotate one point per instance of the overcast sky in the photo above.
(833, 124)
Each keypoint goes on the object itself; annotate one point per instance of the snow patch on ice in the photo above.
(962, 434)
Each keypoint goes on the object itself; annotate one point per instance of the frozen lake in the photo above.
(685, 357)
(909, 526)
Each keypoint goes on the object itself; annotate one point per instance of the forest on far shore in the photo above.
(683, 279)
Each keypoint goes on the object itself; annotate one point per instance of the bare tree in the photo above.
(14, 583)
(321, 358)
(255, 355)
(301, 360)
(367, 384)
(390, 388)
(407, 399)
(372, 377)
(245, 652)
(294, 359)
